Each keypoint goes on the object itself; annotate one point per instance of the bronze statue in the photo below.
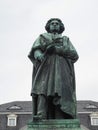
(53, 80)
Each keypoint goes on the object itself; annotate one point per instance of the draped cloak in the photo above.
(55, 76)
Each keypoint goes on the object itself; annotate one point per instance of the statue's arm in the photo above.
(36, 52)
(71, 52)
(67, 50)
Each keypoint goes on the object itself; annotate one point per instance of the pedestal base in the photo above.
(65, 124)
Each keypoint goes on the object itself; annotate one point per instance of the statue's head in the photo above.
(54, 25)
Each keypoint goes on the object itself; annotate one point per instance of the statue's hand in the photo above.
(38, 55)
(59, 50)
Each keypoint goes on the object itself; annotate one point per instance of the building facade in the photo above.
(16, 115)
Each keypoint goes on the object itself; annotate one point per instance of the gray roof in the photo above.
(87, 106)
(26, 106)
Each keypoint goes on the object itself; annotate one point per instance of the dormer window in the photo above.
(12, 120)
(91, 106)
(14, 107)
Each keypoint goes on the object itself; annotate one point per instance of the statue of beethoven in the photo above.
(53, 80)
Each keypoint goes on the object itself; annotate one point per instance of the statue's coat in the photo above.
(54, 76)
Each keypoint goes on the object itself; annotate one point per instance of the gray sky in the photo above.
(21, 22)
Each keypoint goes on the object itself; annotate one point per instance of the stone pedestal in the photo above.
(65, 124)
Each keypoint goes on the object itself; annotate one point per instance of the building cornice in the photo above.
(6, 113)
(18, 113)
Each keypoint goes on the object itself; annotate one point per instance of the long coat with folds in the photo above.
(54, 76)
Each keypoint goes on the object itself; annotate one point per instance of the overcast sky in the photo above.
(21, 22)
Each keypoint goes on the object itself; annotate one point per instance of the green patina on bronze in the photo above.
(53, 57)
(73, 124)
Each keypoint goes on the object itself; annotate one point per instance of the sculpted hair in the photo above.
(47, 27)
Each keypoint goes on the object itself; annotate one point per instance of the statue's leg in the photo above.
(34, 104)
(41, 108)
(51, 108)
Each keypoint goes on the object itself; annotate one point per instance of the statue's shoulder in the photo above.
(45, 35)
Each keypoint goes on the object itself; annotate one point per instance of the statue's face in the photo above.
(54, 26)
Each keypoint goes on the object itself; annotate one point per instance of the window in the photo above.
(12, 120)
(94, 119)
